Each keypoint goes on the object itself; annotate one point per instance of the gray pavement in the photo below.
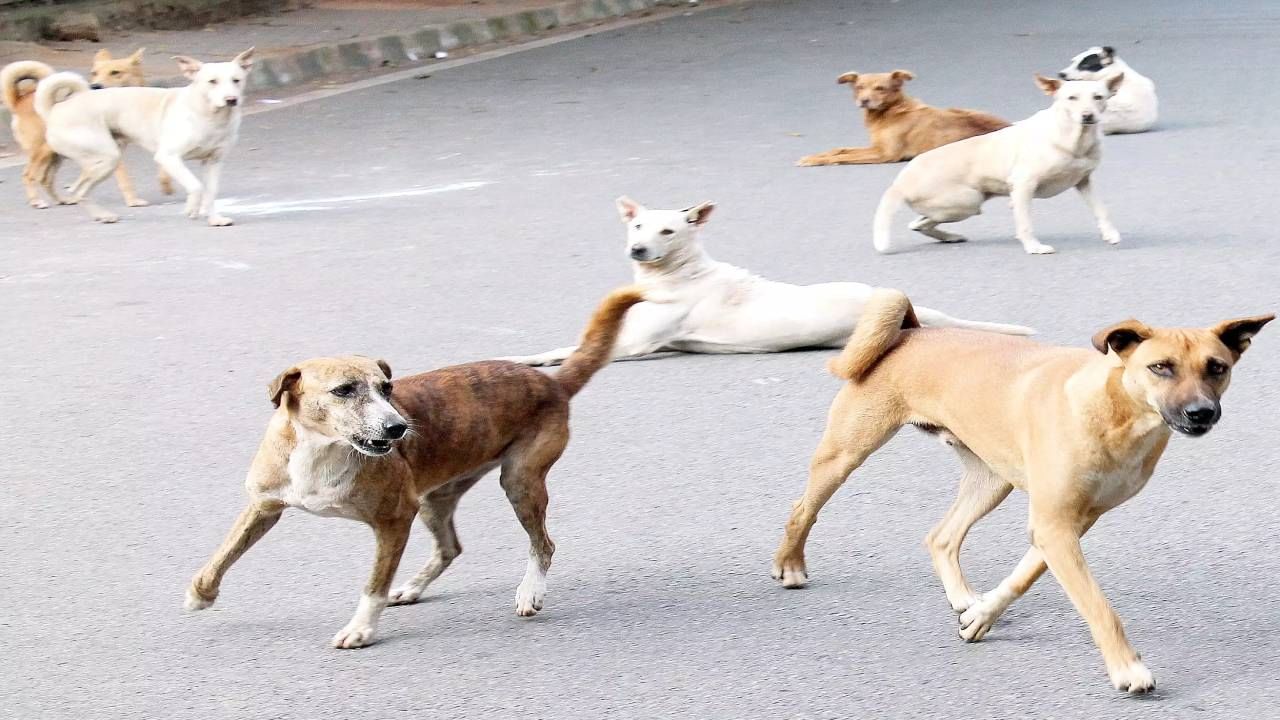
(470, 215)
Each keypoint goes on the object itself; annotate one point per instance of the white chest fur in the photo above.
(321, 475)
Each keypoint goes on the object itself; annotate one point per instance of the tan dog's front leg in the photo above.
(849, 156)
(126, 188)
(1060, 544)
(253, 523)
(391, 535)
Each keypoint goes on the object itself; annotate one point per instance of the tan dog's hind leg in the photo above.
(866, 421)
(437, 514)
(126, 188)
(166, 182)
(524, 479)
(253, 523)
(848, 156)
(981, 491)
(392, 535)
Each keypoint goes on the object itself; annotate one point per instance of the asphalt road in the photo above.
(470, 215)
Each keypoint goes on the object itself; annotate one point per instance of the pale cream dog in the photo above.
(196, 122)
(1055, 149)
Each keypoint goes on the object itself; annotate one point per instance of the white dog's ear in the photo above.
(700, 213)
(1114, 83)
(902, 76)
(244, 60)
(628, 208)
(1048, 85)
(847, 79)
(136, 57)
(188, 66)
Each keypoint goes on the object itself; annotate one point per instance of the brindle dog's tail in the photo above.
(596, 347)
(885, 316)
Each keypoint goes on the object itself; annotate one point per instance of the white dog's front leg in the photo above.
(1020, 199)
(1109, 232)
(212, 176)
(172, 164)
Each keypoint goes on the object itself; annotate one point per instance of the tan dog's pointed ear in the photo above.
(1238, 334)
(285, 382)
(847, 78)
(188, 66)
(902, 76)
(102, 55)
(628, 208)
(699, 214)
(1048, 86)
(244, 59)
(386, 369)
(136, 57)
(1113, 84)
(1122, 338)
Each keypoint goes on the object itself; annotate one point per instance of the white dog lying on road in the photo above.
(1134, 108)
(197, 122)
(1055, 149)
(714, 307)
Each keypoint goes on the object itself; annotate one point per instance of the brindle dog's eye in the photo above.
(1217, 367)
(667, 231)
(344, 391)
(1163, 369)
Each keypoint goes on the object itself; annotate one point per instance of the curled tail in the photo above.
(18, 72)
(595, 350)
(881, 230)
(56, 88)
(934, 318)
(883, 319)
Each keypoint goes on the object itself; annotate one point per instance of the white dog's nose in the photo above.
(232, 101)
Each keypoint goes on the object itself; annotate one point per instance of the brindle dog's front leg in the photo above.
(392, 535)
(253, 523)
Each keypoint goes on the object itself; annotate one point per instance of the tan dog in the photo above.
(900, 126)
(342, 444)
(1080, 431)
(28, 128)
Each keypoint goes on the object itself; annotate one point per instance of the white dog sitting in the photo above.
(714, 307)
(1055, 149)
(1134, 108)
(196, 122)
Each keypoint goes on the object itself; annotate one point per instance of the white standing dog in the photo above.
(196, 122)
(705, 306)
(1134, 108)
(1040, 157)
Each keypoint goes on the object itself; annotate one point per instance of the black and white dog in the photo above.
(1133, 108)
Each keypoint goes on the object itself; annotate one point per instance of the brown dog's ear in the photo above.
(188, 66)
(102, 55)
(1114, 83)
(1237, 334)
(902, 76)
(285, 382)
(1048, 86)
(386, 369)
(847, 78)
(699, 214)
(136, 57)
(627, 208)
(1121, 338)
(244, 59)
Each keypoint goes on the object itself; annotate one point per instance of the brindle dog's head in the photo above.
(876, 91)
(346, 399)
(1181, 373)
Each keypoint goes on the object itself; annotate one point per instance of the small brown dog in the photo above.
(901, 127)
(28, 128)
(343, 444)
(1080, 431)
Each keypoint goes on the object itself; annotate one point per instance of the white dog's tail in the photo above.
(933, 318)
(881, 231)
(56, 88)
(17, 72)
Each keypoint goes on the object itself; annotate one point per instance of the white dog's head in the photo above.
(221, 84)
(1096, 63)
(655, 234)
(1083, 100)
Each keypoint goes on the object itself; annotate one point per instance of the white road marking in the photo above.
(240, 207)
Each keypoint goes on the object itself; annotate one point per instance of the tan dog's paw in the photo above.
(792, 574)
(977, 621)
(106, 217)
(1133, 678)
(195, 601)
(354, 636)
(137, 202)
(39, 205)
(963, 602)
(405, 595)
(811, 161)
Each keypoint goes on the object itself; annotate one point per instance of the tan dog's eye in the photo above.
(1217, 367)
(345, 390)
(666, 231)
(879, 89)
(115, 73)
(1161, 369)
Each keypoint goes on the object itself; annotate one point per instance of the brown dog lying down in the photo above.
(343, 444)
(901, 127)
(1080, 431)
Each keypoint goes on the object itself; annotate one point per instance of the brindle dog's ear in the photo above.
(1122, 338)
(1237, 334)
(845, 79)
(386, 369)
(284, 382)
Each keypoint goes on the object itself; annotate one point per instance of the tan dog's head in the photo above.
(655, 235)
(1082, 100)
(108, 72)
(876, 91)
(346, 399)
(1180, 373)
(221, 84)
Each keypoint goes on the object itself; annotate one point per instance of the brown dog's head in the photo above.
(1180, 373)
(876, 91)
(345, 399)
(108, 72)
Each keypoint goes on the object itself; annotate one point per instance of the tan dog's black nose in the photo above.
(1201, 414)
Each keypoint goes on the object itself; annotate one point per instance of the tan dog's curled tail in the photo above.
(56, 88)
(596, 347)
(882, 229)
(16, 72)
(885, 316)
